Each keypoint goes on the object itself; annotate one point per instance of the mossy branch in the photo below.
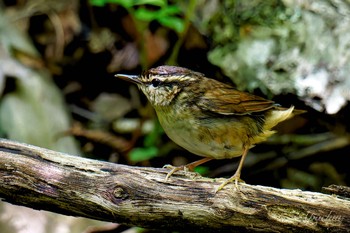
(71, 185)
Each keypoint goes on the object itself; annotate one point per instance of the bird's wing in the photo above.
(225, 100)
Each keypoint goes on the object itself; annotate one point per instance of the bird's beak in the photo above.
(129, 78)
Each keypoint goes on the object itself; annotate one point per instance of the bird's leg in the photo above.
(237, 175)
(189, 166)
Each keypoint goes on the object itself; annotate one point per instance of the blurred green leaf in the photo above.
(202, 170)
(166, 15)
(124, 3)
(174, 23)
(150, 150)
(163, 17)
(146, 15)
(99, 3)
(143, 154)
(170, 10)
(152, 138)
(129, 3)
(161, 3)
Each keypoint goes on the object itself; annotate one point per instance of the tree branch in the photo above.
(71, 185)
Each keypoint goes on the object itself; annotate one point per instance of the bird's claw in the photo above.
(173, 170)
(168, 166)
(235, 178)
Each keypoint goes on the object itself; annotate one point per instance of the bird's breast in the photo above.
(212, 137)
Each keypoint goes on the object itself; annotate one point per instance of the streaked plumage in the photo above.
(207, 117)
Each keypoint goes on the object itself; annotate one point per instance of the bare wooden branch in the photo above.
(71, 185)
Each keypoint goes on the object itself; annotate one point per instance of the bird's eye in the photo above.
(155, 82)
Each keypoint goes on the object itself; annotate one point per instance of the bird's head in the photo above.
(162, 84)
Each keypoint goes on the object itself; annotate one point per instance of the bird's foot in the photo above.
(186, 168)
(236, 178)
(173, 170)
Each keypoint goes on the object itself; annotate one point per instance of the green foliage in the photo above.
(128, 3)
(144, 12)
(150, 149)
(202, 170)
(166, 15)
(143, 153)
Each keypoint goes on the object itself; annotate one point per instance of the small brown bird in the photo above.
(207, 117)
